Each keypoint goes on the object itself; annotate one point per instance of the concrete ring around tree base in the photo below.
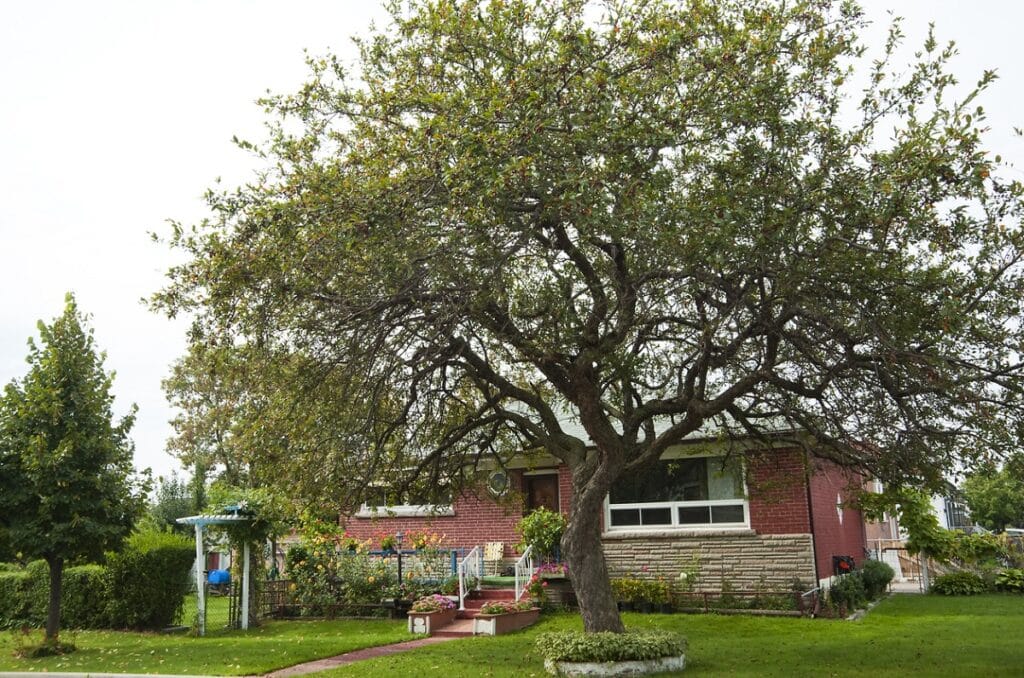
(643, 667)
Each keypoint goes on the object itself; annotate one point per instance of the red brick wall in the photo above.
(777, 485)
(478, 519)
(564, 489)
(833, 537)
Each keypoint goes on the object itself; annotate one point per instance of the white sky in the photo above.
(116, 116)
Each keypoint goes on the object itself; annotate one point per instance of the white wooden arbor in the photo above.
(200, 522)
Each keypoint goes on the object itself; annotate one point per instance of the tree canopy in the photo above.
(995, 494)
(650, 219)
(67, 486)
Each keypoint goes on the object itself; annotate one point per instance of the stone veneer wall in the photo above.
(742, 558)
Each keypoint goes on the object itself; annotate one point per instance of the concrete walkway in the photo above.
(354, 656)
(60, 674)
(297, 670)
(905, 587)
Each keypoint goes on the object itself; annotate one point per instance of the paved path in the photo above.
(297, 670)
(905, 587)
(354, 656)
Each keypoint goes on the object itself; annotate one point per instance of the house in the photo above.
(755, 518)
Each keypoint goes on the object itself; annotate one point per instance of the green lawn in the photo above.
(271, 646)
(904, 636)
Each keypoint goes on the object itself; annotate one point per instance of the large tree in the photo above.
(647, 218)
(67, 487)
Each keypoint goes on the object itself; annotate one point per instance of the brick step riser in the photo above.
(492, 594)
(477, 603)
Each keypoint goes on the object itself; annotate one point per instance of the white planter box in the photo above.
(630, 668)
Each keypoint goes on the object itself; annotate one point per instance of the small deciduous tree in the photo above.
(67, 489)
(173, 498)
(995, 494)
(647, 218)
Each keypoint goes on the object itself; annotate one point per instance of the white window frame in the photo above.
(405, 510)
(674, 506)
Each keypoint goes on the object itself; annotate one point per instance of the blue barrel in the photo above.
(219, 577)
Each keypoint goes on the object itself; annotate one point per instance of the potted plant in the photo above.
(542, 530)
(658, 593)
(431, 613)
(625, 590)
(643, 596)
(537, 588)
(387, 543)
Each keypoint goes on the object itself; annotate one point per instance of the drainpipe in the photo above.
(810, 522)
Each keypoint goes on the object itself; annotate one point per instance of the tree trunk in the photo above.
(582, 552)
(53, 610)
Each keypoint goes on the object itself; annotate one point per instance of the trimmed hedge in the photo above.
(83, 597)
(578, 646)
(148, 580)
(13, 584)
(143, 587)
(25, 596)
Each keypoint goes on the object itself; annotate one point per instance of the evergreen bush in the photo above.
(876, 576)
(848, 590)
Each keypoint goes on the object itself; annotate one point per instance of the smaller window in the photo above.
(387, 502)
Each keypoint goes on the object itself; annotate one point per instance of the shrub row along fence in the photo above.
(330, 583)
(142, 586)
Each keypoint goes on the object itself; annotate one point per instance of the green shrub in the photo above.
(84, 596)
(959, 584)
(37, 592)
(82, 603)
(578, 646)
(848, 590)
(10, 567)
(542, 530)
(148, 580)
(1011, 579)
(13, 610)
(876, 576)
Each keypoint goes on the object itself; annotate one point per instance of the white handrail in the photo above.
(472, 561)
(524, 571)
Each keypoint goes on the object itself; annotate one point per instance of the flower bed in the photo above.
(431, 613)
(503, 616)
(428, 622)
(573, 653)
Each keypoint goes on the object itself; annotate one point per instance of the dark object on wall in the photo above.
(842, 564)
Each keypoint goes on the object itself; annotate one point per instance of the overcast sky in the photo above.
(116, 116)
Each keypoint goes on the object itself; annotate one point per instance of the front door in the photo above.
(542, 490)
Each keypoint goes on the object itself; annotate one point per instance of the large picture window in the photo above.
(693, 492)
